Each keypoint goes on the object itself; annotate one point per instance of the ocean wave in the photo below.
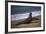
(25, 15)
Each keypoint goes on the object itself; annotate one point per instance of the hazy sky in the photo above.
(23, 9)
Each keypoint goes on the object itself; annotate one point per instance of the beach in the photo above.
(36, 22)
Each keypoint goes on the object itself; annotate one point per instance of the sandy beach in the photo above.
(36, 22)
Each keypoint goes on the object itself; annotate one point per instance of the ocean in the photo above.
(24, 15)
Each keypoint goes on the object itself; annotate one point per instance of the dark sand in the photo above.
(36, 22)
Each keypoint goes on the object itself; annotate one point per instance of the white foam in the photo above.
(25, 15)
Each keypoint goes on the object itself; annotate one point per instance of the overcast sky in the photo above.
(24, 9)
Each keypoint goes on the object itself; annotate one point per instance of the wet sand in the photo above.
(36, 22)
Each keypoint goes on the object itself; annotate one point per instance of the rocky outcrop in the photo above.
(27, 21)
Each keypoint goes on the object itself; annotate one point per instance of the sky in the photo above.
(16, 9)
